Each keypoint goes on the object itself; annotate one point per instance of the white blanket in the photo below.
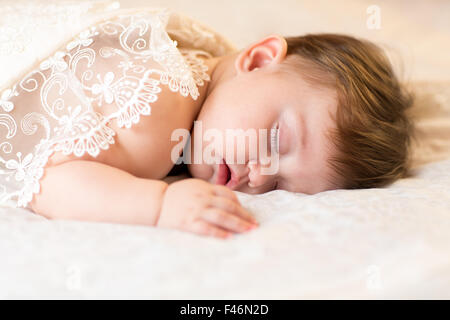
(381, 243)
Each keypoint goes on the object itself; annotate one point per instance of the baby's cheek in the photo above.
(200, 171)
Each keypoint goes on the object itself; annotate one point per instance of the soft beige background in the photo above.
(417, 33)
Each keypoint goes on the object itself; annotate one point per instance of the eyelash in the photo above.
(274, 143)
(274, 138)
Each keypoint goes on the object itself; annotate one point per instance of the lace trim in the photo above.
(79, 129)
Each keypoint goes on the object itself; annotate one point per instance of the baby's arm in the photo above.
(92, 191)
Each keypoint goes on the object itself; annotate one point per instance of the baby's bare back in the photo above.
(143, 150)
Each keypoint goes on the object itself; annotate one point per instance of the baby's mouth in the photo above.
(226, 176)
(223, 174)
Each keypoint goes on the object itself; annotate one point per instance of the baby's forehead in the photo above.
(305, 94)
(314, 81)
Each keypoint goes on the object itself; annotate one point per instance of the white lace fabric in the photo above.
(107, 73)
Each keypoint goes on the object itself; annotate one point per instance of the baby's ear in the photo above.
(265, 52)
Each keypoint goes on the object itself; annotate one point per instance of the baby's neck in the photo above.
(217, 71)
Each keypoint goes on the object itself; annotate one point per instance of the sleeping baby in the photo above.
(95, 132)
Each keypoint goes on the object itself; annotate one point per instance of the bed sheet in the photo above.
(375, 243)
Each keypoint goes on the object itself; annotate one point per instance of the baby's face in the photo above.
(264, 99)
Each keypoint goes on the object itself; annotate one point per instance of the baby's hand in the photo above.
(201, 207)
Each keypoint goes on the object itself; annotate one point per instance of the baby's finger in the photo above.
(232, 207)
(223, 191)
(204, 228)
(226, 220)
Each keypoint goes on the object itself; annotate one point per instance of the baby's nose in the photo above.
(256, 178)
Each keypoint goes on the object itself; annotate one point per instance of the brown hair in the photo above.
(373, 133)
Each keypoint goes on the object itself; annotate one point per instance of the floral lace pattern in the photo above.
(60, 106)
